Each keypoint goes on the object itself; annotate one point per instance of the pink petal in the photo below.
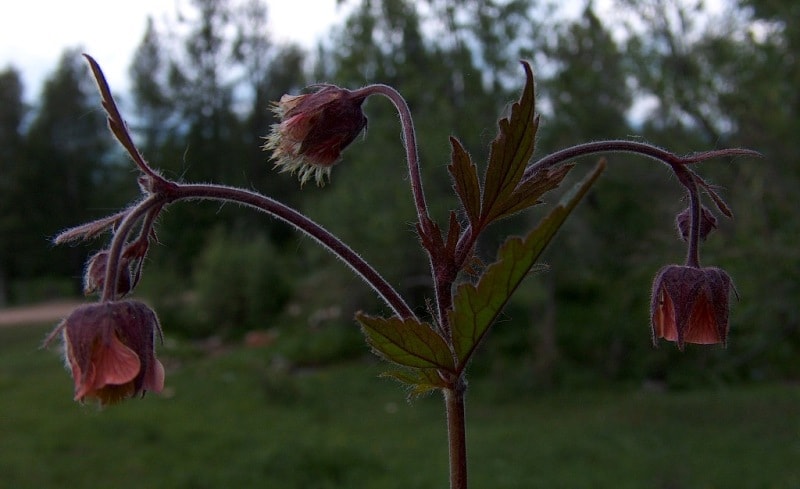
(665, 319)
(702, 327)
(115, 363)
(155, 378)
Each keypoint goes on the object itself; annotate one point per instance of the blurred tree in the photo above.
(65, 179)
(155, 112)
(379, 42)
(202, 87)
(586, 96)
(728, 78)
(12, 162)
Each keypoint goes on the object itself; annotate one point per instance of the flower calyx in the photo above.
(690, 305)
(110, 350)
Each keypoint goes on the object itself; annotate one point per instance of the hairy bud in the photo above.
(683, 222)
(95, 276)
(313, 131)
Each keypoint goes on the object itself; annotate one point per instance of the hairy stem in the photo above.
(634, 147)
(456, 434)
(693, 250)
(301, 223)
(441, 287)
(118, 242)
(409, 142)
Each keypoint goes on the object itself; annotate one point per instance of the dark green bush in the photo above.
(239, 283)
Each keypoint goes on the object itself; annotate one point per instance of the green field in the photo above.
(237, 419)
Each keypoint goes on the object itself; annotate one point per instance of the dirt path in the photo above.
(37, 313)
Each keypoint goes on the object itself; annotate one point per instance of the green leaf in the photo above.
(465, 177)
(406, 342)
(475, 307)
(529, 192)
(510, 152)
(420, 381)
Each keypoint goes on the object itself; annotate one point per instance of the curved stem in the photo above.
(301, 223)
(634, 147)
(441, 285)
(409, 142)
(120, 237)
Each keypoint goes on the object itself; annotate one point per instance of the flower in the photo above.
(313, 131)
(110, 349)
(690, 305)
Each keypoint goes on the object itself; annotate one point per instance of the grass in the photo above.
(236, 419)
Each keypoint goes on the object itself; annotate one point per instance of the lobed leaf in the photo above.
(406, 342)
(510, 152)
(476, 306)
(465, 177)
(528, 193)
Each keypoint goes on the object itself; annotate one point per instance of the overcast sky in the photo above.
(34, 33)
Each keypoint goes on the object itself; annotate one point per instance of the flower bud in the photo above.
(683, 222)
(690, 305)
(313, 131)
(95, 276)
(110, 349)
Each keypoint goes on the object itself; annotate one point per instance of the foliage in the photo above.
(263, 425)
(237, 292)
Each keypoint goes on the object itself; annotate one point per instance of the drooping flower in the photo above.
(690, 305)
(110, 349)
(313, 131)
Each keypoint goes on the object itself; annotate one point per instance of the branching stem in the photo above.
(119, 240)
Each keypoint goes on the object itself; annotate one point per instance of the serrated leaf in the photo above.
(419, 381)
(465, 178)
(475, 307)
(529, 192)
(406, 342)
(510, 151)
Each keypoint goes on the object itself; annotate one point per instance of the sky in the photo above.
(34, 33)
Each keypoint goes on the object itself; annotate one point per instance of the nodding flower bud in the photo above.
(690, 305)
(110, 349)
(95, 276)
(313, 131)
(683, 222)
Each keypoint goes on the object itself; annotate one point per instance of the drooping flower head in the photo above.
(313, 131)
(110, 349)
(690, 305)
